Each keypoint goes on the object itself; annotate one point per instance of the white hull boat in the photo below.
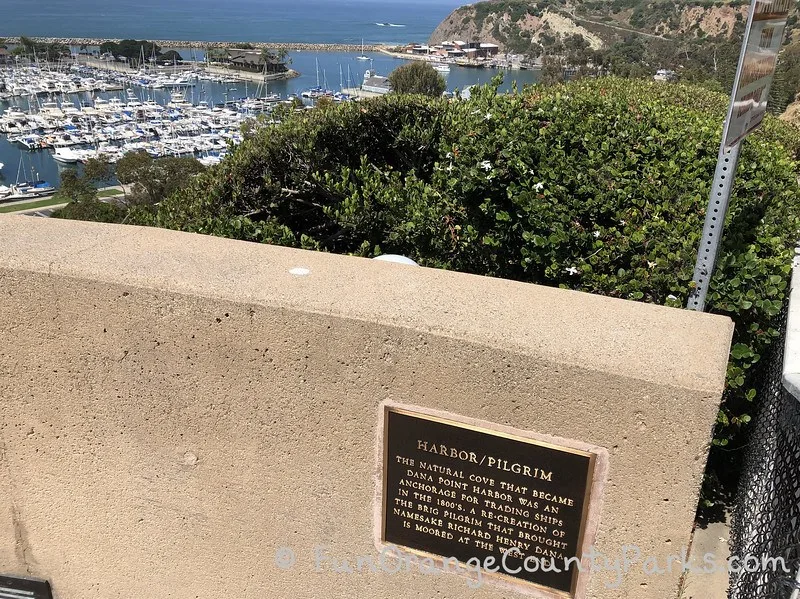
(66, 156)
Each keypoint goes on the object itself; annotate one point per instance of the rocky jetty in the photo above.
(297, 47)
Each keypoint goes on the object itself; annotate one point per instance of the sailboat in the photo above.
(363, 56)
(28, 189)
(319, 91)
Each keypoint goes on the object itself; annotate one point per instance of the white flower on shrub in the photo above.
(539, 186)
(488, 116)
(572, 271)
(596, 234)
(486, 165)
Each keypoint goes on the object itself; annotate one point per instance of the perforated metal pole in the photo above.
(715, 223)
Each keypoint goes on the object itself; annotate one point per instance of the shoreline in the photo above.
(290, 46)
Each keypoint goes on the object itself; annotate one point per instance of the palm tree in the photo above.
(217, 54)
(267, 55)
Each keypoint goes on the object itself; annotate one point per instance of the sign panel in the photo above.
(759, 57)
(455, 491)
(17, 587)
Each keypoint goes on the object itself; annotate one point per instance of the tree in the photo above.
(132, 168)
(170, 57)
(92, 210)
(267, 55)
(81, 197)
(153, 180)
(552, 70)
(98, 170)
(75, 188)
(418, 78)
(283, 56)
(40, 50)
(787, 79)
(217, 54)
(131, 49)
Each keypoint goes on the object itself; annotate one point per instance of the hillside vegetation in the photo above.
(537, 27)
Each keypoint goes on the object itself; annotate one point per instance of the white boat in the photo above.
(363, 56)
(442, 67)
(178, 100)
(66, 156)
(1, 166)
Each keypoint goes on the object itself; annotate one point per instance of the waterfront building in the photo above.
(254, 61)
(376, 84)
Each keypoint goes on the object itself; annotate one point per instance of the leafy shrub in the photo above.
(417, 78)
(598, 186)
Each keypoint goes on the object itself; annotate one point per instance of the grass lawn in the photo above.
(30, 205)
(33, 205)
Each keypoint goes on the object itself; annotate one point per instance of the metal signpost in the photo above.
(762, 42)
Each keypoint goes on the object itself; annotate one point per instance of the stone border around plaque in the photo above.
(450, 486)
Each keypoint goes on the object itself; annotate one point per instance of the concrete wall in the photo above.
(176, 407)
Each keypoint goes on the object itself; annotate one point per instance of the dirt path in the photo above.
(617, 27)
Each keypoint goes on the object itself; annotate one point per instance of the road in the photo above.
(578, 19)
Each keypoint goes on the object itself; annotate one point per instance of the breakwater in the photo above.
(291, 46)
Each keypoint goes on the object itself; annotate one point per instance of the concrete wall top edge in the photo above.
(636, 340)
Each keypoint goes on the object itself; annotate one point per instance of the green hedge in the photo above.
(598, 186)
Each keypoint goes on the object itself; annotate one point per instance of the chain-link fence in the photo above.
(767, 517)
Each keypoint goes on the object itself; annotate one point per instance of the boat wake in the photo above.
(389, 25)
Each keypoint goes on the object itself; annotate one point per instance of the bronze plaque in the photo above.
(456, 491)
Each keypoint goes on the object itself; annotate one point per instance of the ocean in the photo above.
(312, 21)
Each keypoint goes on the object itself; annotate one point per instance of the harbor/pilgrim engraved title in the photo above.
(485, 460)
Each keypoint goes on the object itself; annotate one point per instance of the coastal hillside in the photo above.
(534, 26)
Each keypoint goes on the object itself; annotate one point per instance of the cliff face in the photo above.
(513, 31)
(531, 26)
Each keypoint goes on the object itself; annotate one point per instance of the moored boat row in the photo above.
(76, 131)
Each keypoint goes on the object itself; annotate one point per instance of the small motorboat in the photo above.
(66, 156)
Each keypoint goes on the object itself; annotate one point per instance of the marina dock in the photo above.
(58, 110)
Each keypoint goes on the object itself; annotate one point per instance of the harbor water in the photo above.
(335, 70)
